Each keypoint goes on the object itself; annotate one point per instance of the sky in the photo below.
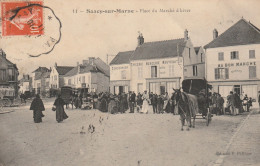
(98, 35)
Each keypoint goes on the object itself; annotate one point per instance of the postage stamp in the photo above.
(22, 18)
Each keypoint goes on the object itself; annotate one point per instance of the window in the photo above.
(153, 71)
(83, 79)
(221, 56)
(221, 73)
(201, 57)
(140, 72)
(11, 76)
(252, 71)
(69, 82)
(234, 55)
(195, 70)
(3, 74)
(251, 54)
(171, 70)
(123, 74)
(47, 84)
(189, 52)
(55, 77)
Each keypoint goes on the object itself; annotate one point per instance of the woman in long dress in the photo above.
(60, 113)
(145, 106)
(37, 107)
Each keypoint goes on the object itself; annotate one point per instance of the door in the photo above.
(121, 89)
(237, 89)
(162, 89)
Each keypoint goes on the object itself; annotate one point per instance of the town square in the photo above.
(135, 84)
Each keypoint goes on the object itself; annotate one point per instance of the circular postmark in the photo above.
(29, 28)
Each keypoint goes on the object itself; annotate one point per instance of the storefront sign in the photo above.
(119, 67)
(237, 64)
(152, 63)
(169, 62)
(137, 64)
(236, 71)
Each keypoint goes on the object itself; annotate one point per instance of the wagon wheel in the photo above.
(208, 117)
(6, 102)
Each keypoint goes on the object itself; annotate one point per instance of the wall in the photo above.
(53, 82)
(236, 71)
(163, 70)
(115, 72)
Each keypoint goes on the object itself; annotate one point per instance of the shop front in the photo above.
(118, 87)
(162, 85)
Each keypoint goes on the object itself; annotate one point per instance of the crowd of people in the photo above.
(141, 103)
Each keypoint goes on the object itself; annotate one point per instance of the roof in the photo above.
(241, 33)
(159, 49)
(122, 58)
(41, 69)
(62, 70)
(197, 49)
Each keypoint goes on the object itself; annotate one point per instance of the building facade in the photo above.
(154, 66)
(233, 60)
(90, 74)
(25, 84)
(57, 75)
(40, 77)
(8, 73)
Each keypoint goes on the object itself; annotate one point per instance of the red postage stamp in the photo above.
(22, 18)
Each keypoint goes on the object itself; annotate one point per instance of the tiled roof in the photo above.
(159, 49)
(197, 49)
(97, 66)
(122, 58)
(241, 33)
(62, 70)
(42, 69)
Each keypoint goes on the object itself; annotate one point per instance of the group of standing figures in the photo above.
(37, 106)
(140, 102)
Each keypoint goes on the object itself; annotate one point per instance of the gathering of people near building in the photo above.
(143, 79)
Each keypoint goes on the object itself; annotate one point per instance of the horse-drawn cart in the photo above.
(7, 95)
(67, 95)
(200, 88)
(193, 101)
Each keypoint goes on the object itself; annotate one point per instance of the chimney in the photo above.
(186, 34)
(140, 39)
(2, 53)
(215, 33)
(55, 64)
(91, 60)
(78, 68)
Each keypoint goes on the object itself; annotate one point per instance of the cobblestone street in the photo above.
(123, 139)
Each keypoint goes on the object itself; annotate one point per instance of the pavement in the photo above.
(124, 139)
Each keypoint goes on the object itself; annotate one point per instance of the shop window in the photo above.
(123, 74)
(251, 54)
(221, 56)
(234, 55)
(252, 71)
(195, 70)
(221, 73)
(11, 75)
(3, 74)
(153, 71)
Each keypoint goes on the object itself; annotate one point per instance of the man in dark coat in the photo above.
(60, 113)
(154, 103)
(132, 101)
(37, 107)
(160, 103)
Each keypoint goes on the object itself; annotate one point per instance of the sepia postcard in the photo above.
(129, 82)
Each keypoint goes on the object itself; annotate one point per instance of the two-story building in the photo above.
(233, 60)
(8, 73)
(25, 84)
(40, 77)
(57, 75)
(92, 74)
(154, 66)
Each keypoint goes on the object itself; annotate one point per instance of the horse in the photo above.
(187, 106)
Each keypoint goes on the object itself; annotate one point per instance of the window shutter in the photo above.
(216, 74)
(226, 73)
(252, 71)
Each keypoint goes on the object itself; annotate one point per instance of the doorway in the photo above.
(162, 89)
